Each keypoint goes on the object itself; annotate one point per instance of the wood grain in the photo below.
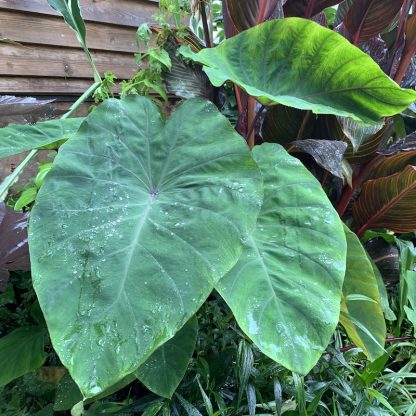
(120, 12)
(52, 30)
(61, 62)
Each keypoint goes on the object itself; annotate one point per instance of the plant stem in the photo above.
(349, 192)
(404, 64)
(12, 178)
(208, 43)
(309, 9)
(262, 12)
(303, 125)
(252, 121)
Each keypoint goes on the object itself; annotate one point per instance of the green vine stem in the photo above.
(12, 178)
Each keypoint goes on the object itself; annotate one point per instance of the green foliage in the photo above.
(283, 260)
(361, 311)
(300, 50)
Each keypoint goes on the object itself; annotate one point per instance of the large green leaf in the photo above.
(21, 351)
(361, 311)
(16, 138)
(285, 290)
(165, 368)
(388, 202)
(134, 225)
(301, 64)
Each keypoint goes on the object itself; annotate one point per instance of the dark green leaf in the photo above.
(21, 351)
(361, 312)
(283, 273)
(327, 153)
(313, 68)
(164, 369)
(118, 261)
(15, 138)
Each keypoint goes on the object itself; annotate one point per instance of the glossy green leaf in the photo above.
(17, 138)
(21, 351)
(71, 12)
(118, 261)
(368, 18)
(361, 311)
(388, 202)
(285, 290)
(164, 369)
(299, 63)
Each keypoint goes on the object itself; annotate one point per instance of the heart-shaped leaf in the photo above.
(301, 64)
(285, 290)
(164, 369)
(388, 202)
(361, 311)
(18, 138)
(21, 351)
(368, 18)
(134, 225)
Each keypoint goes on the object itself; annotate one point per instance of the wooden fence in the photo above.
(40, 55)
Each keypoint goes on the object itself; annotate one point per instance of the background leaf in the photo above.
(21, 351)
(131, 199)
(368, 18)
(327, 153)
(15, 138)
(283, 274)
(164, 369)
(297, 8)
(14, 250)
(361, 312)
(314, 69)
(388, 202)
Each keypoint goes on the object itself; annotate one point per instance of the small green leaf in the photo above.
(18, 138)
(21, 351)
(164, 369)
(361, 312)
(26, 198)
(301, 64)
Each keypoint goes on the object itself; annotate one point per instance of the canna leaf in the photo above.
(301, 64)
(387, 202)
(132, 197)
(361, 311)
(404, 144)
(164, 369)
(245, 13)
(368, 18)
(298, 248)
(297, 8)
(393, 164)
(17, 138)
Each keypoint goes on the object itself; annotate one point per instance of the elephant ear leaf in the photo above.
(361, 310)
(387, 202)
(165, 368)
(313, 69)
(18, 138)
(298, 247)
(132, 196)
